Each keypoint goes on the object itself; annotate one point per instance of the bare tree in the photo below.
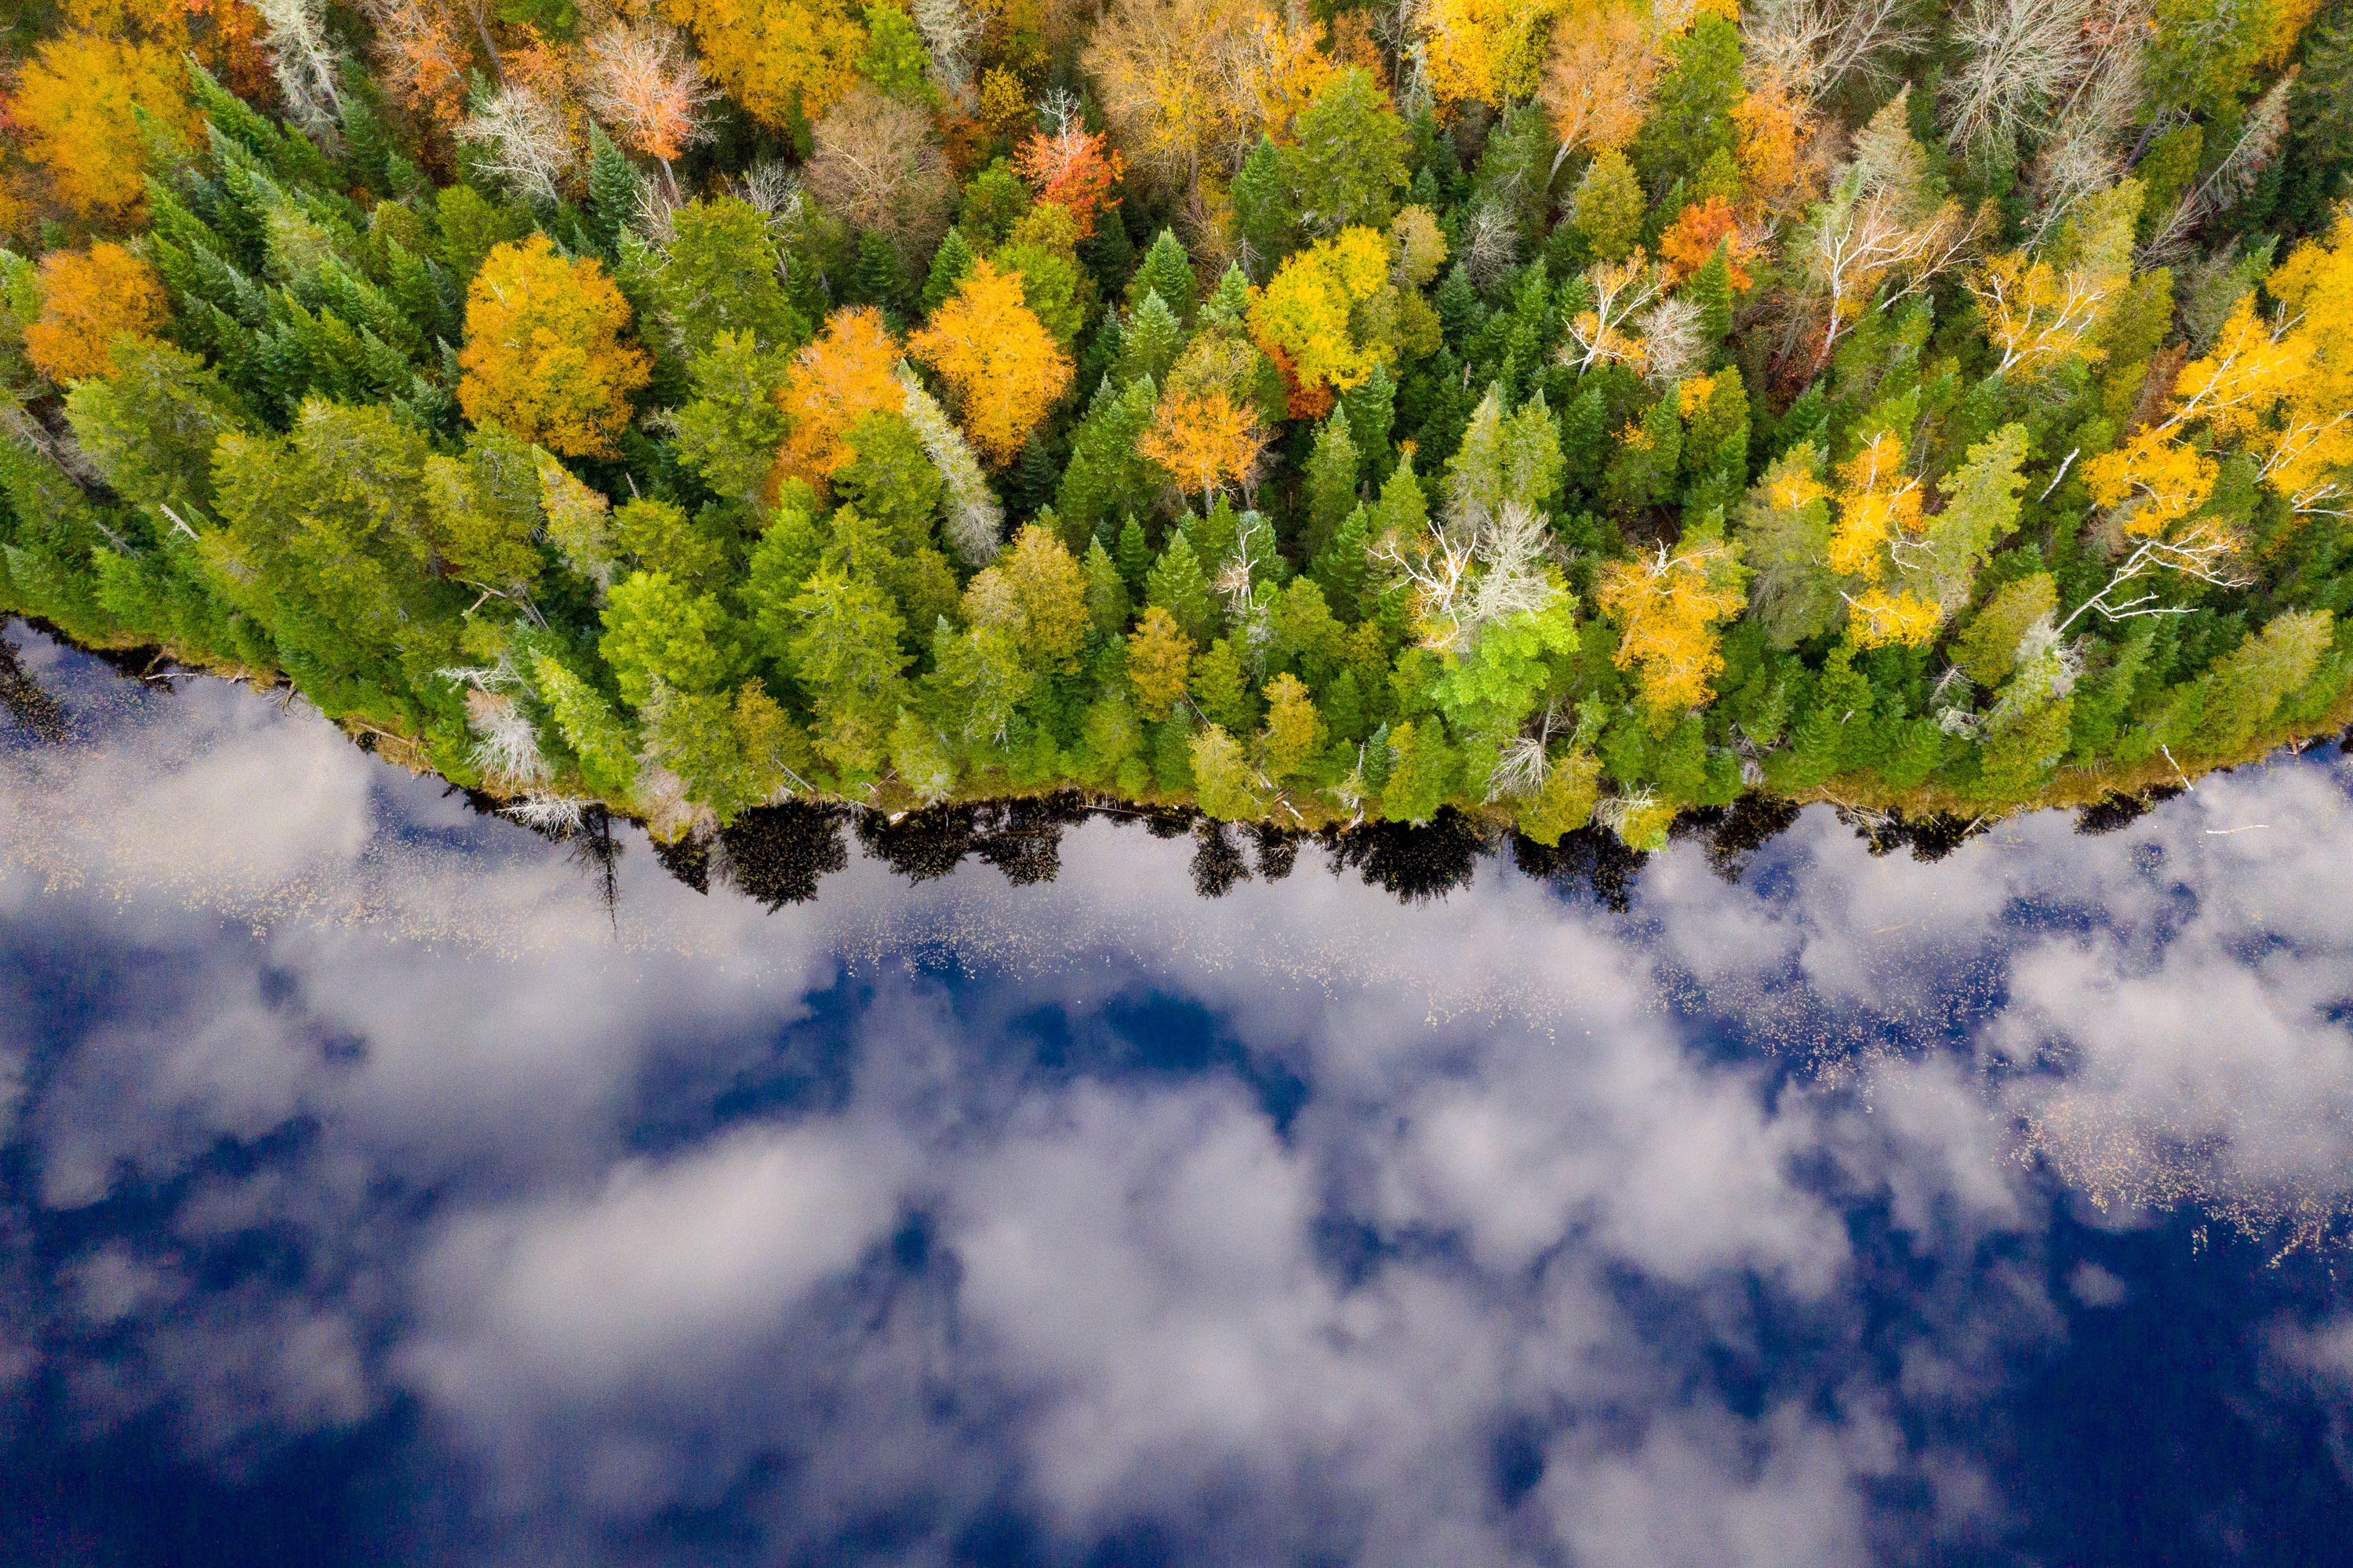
(2018, 57)
(878, 165)
(1815, 46)
(523, 143)
(303, 62)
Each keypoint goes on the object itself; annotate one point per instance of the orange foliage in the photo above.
(1602, 74)
(544, 354)
(648, 88)
(837, 379)
(423, 58)
(87, 298)
(1072, 170)
(76, 107)
(1204, 440)
(1693, 238)
(1005, 367)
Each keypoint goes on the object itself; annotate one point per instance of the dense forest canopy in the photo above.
(1562, 411)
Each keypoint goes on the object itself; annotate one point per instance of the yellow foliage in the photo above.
(837, 378)
(1294, 732)
(1005, 367)
(2039, 317)
(1487, 50)
(1602, 74)
(1881, 618)
(2158, 481)
(1034, 593)
(1168, 72)
(76, 107)
(1879, 505)
(87, 298)
(544, 355)
(1667, 608)
(1159, 661)
(1279, 70)
(1303, 315)
(1204, 440)
(772, 55)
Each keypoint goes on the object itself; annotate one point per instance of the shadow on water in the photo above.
(30, 707)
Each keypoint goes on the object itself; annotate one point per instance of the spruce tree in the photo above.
(1135, 555)
(1149, 340)
(613, 186)
(1107, 602)
(1178, 584)
(1331, 480)
(1168, 272)
(1339, 570)
(1371, 409)
(1262, 208)
(950, 262)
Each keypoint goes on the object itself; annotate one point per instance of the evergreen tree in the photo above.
(1331, 480)
(1178, 584)
(950, 262)
(1150, 338)
(1167, 272)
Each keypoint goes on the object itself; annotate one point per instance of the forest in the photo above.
(1553, 413)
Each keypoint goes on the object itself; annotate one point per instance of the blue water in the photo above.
(383, 1183)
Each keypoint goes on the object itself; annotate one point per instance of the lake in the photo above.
(382, 1182)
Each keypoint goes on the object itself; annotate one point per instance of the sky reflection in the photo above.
(373, 1189)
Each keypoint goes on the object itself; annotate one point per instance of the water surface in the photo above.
(380, 1182)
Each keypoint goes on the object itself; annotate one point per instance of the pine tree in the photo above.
(1339, 570)
(1371, 409)
(1221, 689)
(949, 264)
(1178, 584)
(1107, 602)
(1711, 286)
(1262, 208)
(613, 185)
(1135, 555)
(1150, 340)
(1230, 301)
(1331, 482)
(880, 282)
(1168, 272)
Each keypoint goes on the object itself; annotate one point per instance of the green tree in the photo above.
(1166, 270)
(1607, 211)
(1349, 158)
(728, 431)
(724, 275)
(1178, 584)
(658, 629)
(1691, 119)
(844, 650)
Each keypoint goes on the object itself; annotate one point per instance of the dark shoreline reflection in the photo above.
(1029, 1184)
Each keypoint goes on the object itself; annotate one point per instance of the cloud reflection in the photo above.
(994, 1218)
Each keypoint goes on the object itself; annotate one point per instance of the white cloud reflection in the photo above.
(688, 1207)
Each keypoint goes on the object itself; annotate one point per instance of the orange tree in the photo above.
(544, 354)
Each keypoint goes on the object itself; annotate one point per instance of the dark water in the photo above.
(383, 1182)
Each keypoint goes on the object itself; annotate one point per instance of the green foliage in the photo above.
(1348, 159)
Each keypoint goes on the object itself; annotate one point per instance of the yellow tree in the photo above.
(1203, 439)
(1159, 662)
(1166, 71)
(1486, 51)
(777, 58)
(1601, 75)
(837, 379)
(2308, 456)
(2038, 316)
(545, 358)
(1667, 606)
(87, 298)
(648, 86)
(1300, 318)
(79, 105)
(1879, 506)
(1006, 368)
